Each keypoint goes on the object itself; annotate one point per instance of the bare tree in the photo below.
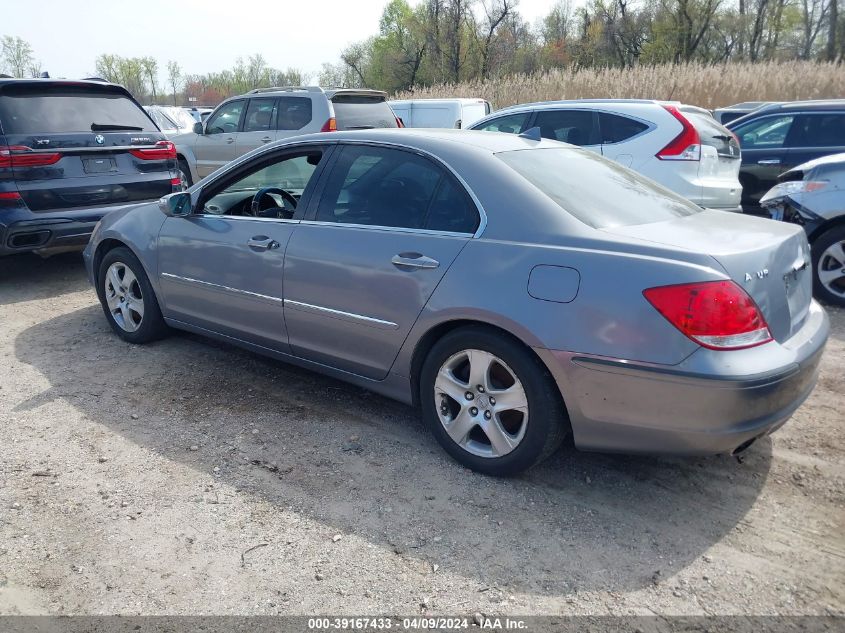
(813, 18)
(494, 15)
(17, 54)
(833, 26)
(150, 68)
(174, 74)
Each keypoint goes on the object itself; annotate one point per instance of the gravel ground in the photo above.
(189, 477)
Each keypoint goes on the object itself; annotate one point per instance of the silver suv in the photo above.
(263, 115)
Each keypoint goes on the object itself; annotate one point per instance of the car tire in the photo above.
(185, 173)
(501, 441)
(825, 256)
(128, 299)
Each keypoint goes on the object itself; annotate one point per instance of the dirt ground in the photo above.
(188, 477)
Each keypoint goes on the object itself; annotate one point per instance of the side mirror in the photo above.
(197, 128)
(176, 205)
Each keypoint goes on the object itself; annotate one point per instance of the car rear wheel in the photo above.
(185, 174)
(490, 402)
(829, 266)
(128, 299)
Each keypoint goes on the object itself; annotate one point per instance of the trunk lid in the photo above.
(769, 260)
(71, 145)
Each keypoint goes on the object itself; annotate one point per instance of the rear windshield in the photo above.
(58, 109)
(714, 134)
(361, 112)
(597, 191)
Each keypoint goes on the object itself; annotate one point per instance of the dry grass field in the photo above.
(703, 85)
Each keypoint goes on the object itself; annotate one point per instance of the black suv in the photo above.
(780, 136)
(70, 152)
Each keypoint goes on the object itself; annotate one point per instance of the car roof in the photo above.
(816, 104)
(462, 100)
(432, 140)
(329, 92)
(549, 105)
(10, 81)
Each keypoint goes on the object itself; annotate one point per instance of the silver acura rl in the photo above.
(516, 289)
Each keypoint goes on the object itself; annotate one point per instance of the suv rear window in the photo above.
(597, 191)
(59, 109)
(362, 112)
(714, 134)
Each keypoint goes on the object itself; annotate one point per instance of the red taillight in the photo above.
(176, 182)
(330, 125)
(22, 156)
(9, 197)
(715, 314)
(162, 151)
(685, 146)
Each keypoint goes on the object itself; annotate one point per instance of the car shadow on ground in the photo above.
(356, 462)
(29, 277)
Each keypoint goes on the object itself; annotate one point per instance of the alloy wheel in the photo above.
(831, 269)
(123, 297)
(481, 403)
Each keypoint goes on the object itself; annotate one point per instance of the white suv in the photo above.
(682, 147)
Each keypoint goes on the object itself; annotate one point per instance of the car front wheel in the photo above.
(490, 402)
(128, 299)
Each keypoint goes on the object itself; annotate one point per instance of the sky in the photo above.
(202, 35)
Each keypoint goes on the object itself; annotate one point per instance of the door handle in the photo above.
(230, 140)
(266, 139)
(769, 161)
(413, 260)
(262, 243)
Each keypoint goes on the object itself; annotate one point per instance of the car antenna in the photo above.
(532, 134)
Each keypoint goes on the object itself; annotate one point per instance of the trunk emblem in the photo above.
(100, 139)
(42, 141)
(760, 274)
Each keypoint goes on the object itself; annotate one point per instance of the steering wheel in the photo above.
(255, 207)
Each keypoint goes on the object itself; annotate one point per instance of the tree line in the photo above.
(450, 41)
(434, 42)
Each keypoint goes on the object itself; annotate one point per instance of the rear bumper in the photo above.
(22, 230)
(698, 407)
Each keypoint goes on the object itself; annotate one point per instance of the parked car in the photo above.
(243, 123)
(198, 113)
(171, 119)
(813, 195)
(731, 113)
(440, 113)
(71, 152)
(681, 147)
(778, 137)
(517, 289)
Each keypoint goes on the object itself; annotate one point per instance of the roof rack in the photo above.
(286, 89)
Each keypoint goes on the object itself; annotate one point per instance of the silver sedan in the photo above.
(516, 289)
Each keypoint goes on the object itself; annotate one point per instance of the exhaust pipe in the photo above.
(744, 446)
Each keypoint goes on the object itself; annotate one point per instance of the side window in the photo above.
(616, 128)
(818, 130)
(568, 126)
(161, 120)
(291, 173)
(510, 123)
(386, 187)
(766, 133)
(294, 113)
(225, 120)
(259, 115)
(452, 210)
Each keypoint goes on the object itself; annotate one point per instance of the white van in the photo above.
(449, 113)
